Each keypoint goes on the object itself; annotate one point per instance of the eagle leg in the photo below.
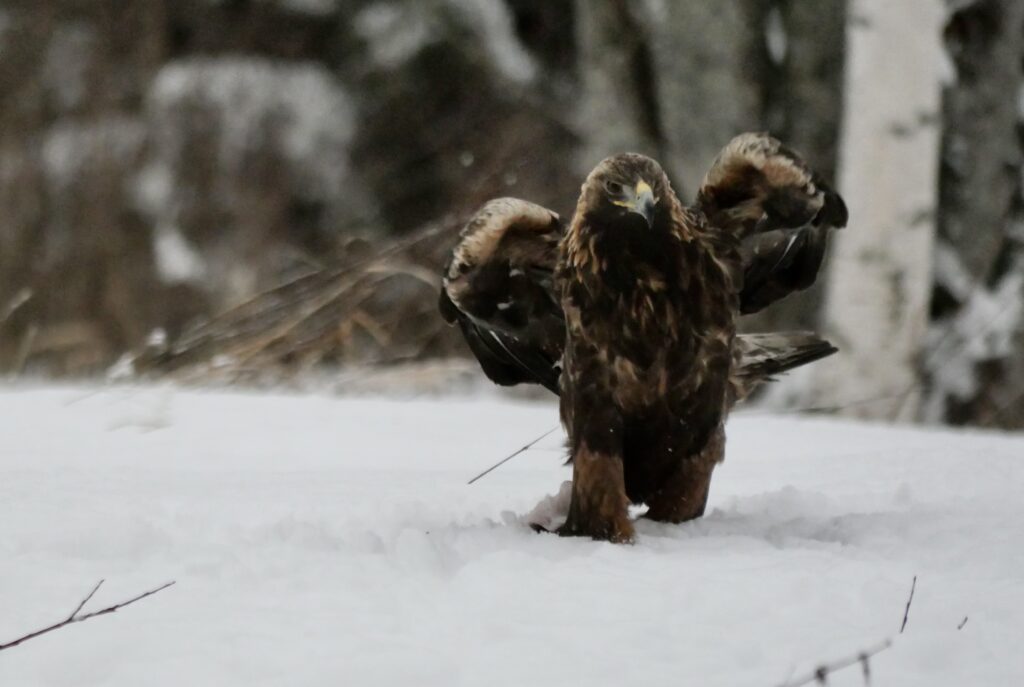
(684, 494)
(599, 508)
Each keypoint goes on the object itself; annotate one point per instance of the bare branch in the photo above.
(511, 456)
(75, 618)
(24, 351)
(85, 601)
(20, 298)
(910, 599)
(116, 607)
(820, 674)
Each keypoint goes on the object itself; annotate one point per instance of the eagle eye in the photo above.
(614, 188)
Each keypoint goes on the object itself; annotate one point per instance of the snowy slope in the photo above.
(326, 541)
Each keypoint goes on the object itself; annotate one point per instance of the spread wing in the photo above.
(781, 209)
(498, 282)
(497, 287)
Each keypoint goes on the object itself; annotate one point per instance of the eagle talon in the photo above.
(617, 533)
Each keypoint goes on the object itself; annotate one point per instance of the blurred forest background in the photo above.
(165, 161)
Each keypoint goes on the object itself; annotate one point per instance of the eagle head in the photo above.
(627, 189)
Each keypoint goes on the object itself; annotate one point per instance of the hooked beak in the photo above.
(640, 200)
(644, 202)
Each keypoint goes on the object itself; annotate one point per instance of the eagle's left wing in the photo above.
(497, 287)
(782, 211)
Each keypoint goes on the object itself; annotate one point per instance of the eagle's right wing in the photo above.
(497, 287)
(782, 211)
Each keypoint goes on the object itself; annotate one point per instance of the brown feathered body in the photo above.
(630, 315)
(650, 311)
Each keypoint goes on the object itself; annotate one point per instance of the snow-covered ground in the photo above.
(317, 540)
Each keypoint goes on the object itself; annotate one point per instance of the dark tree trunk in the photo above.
(976, 361)
(710, 65)
(677, 80)
(803, 107)
(811, 83)
(981, 161)
(619, 108)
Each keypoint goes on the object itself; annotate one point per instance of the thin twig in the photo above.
(75, 618)
(910, 599)
(819, 409)
(742, 413)
(116, 607)
(962, 623)
(20, 298)
(513, 455)
(820, 674)
(24, 349)
(1001, 410)
(85, 600)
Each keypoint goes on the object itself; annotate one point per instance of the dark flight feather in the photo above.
(783, 211)
(497, 287)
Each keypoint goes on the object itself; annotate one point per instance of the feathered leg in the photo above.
(599, 507)
(684, 494)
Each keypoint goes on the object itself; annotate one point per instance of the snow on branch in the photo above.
(76, 618)
(820, 674)
(320, 315)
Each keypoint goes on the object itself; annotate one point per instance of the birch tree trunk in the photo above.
(879, 279)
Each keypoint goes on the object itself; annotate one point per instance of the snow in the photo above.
(397, 32)
(290, 124)
(499, 38)
(318, 540)
(71, 148)
(394, 33)
(176, 260)
(318, 117)
(71, 152)
(983, 329)
(67, 62)
(776, 39)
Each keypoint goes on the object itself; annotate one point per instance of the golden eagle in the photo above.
(630, 314)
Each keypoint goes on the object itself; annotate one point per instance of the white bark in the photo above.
(879, 279)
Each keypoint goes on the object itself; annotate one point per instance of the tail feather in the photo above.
(765, 356)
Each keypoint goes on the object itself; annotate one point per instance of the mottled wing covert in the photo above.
(497, 287)
(782, 210)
